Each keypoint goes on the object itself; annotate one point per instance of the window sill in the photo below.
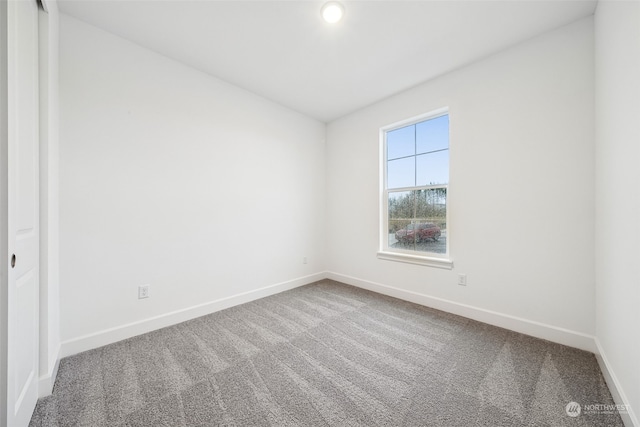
(445, 263)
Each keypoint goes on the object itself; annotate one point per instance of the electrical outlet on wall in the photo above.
(304, 260)
(143, 291)
(462, 279)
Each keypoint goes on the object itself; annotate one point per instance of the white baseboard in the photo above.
(46, 381)
(109, 336)
(513, 323)
(629, 418)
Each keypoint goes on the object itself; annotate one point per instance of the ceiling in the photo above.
(283, 51)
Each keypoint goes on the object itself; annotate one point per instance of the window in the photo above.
(415, 184)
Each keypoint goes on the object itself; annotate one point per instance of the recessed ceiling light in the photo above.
(332, 12)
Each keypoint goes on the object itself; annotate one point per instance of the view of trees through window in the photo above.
(417, 177)
(418, 220)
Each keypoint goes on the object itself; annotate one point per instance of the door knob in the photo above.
(13, 260)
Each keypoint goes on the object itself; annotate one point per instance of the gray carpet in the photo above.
(327, 354)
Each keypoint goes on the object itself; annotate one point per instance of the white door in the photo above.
(23, 214)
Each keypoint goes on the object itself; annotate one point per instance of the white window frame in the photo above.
(431, 259)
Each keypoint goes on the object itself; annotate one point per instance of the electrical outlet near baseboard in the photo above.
(462, 279)
(143, 291)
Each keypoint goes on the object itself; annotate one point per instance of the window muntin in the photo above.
(415, 186)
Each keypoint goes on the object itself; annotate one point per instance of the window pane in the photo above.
(401, 142)
(433, 168)
(432, 135)
(401, 173)
(418, 220)
(401, 212)
(431, 220)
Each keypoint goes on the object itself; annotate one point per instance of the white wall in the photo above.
(172, 178)
(521, 191)
(49, 219)
(617, 83)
